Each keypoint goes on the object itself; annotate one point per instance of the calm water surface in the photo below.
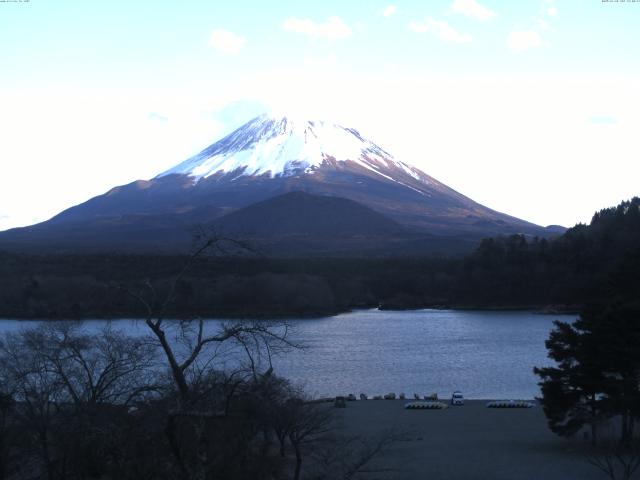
(483, 354)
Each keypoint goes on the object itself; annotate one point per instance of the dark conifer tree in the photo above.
(598, 371)
(572, 391)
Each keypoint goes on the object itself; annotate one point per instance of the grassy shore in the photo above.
(466, 442)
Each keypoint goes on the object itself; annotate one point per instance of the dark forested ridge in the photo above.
(593, 383)
(589, 263)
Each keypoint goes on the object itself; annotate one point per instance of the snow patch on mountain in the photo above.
(284, 147)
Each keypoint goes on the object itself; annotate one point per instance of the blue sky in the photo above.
(529, 107)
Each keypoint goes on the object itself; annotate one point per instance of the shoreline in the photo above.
(534, 309)
(446, 400)
(559, 309)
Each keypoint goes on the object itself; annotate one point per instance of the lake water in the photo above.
(483, 354)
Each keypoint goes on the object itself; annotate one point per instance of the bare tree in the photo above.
(6, 409)
(40, 394)
(619, 460)
(106, 368)
(185, 355)
(64, 380)
(346, 457)
(192, 352)
(618, 463)
(308, 422)
(311, 431)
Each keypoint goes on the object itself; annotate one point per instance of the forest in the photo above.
(587, 264)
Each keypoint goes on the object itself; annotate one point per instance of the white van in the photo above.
(457, 398)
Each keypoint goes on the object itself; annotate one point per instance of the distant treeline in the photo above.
(587, 264)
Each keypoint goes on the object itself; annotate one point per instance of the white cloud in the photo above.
(441, 30)
(6, 222)
(390, 10)
(333, 28)
(541, 24)
(522, 40)
(552, 11)
(226, 42)
(603, 120)
(471, 8)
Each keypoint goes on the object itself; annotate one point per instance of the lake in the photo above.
(483, 354)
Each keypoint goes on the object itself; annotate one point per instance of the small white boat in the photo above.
(425, 406)
(510, 404)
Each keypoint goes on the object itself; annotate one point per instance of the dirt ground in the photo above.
(466, 442)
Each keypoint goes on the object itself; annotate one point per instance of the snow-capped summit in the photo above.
(284, 146)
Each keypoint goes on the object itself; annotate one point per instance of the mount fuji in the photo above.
(320, 187)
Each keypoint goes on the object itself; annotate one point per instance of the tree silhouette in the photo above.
(597, 375)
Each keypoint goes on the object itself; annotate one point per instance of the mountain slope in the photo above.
(265, 158)
(301, 224)
(299, 213)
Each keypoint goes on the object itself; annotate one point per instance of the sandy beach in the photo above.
(467, 442)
